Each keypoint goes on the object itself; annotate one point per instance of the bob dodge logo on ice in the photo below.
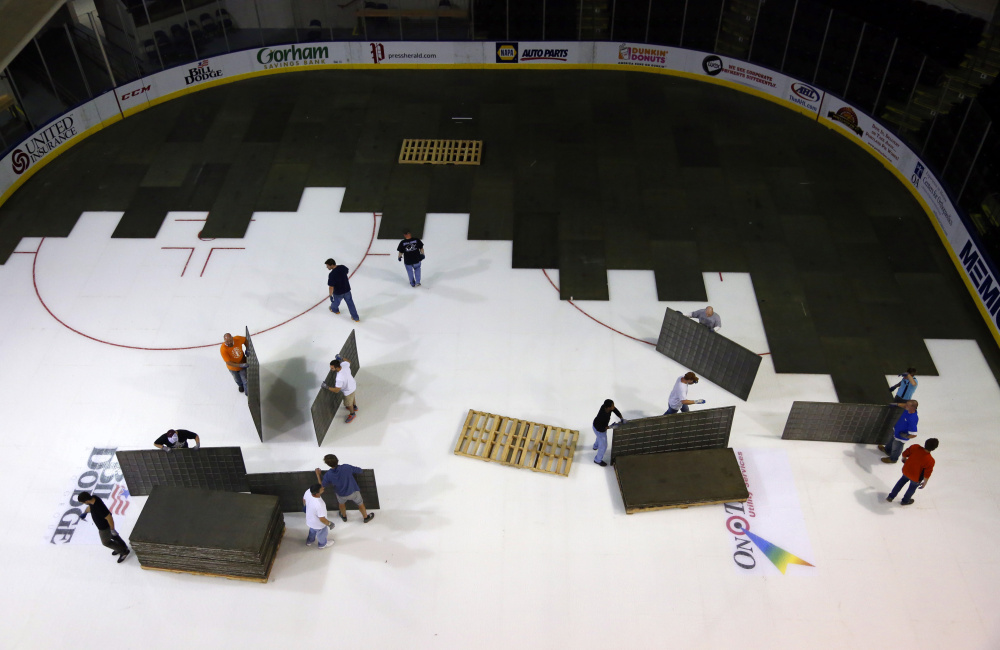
(203, 72)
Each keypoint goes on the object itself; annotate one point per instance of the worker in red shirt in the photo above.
(917, 467)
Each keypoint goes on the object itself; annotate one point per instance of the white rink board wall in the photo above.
(30, 155)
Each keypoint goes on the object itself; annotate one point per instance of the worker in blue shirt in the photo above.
(907, 387)
(340, 477)
(905, 429)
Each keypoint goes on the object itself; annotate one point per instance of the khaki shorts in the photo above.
(354, 496)
(349, 401)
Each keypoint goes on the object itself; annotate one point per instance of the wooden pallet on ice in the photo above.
(508, 441)
(441, 152)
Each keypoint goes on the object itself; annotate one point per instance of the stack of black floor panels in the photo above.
(226, 534)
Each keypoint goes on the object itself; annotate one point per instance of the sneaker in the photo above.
(889, 499)
(905, 502)
(241, 389)
(350, 418)
(126, 553)
(115, 552)
(336, 312)
(343, 517)
(413, 285)
(371, 515)
(888, 460)
(882, 449)
(595, 447)
(418, 284)
(328, 544)
(357, 320)
(602, 463)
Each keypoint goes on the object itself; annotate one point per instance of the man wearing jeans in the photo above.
(411, 252)
(232, 353)
(917, 467)
(340, 289)
(905, 429)
(316, 519)
(601, 429)
(105, 524)
(341, 479)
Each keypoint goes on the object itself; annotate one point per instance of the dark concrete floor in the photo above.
(584, 170)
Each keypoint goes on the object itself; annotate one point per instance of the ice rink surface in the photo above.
(107, 343)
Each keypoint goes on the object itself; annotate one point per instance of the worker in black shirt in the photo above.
(177, 439)
(411, 252)
(601, 429)
(105, 525)
(339, 285)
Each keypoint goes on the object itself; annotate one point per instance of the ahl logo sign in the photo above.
(102, 478)
(203, 72)
(712, 65)
(544, 55)
(37, 146)
(292, 56)
(773, 506)
(805, 92)
(506, 52)
(378, 52)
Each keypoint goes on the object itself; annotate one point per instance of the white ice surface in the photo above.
(464, 553)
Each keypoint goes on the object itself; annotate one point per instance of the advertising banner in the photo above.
(306, 55)
(849, 119)
(401, 53)
(768, 533)
(639, 55)
(41, 145)
(514, 53)
(197, 73)
(102, 477)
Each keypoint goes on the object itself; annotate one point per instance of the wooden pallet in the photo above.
(441, 152)
(519, 443)
(222, 575)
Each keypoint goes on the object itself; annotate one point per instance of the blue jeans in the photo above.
(318, 534)
(671, 411)
(413, 273)
(895, 448)
(601, 445)
(346, 297)
(899, 486)
(241, 377)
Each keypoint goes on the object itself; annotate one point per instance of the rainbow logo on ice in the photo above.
(778, 556)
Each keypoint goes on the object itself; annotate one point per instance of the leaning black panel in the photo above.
(211, 468)
(253, 386)
(704, 429)
(866, 424)
(723, 362)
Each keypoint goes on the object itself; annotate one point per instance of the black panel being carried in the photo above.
(289, 487)
(706, 429)
(680, 479)
(253, 386)
(866, 424)
(208, 532)
(723, 362)
(326, 404)
(212, 468)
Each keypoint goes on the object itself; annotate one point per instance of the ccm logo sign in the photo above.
(135, 93)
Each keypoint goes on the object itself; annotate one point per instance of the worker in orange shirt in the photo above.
(234, 356)
(917, 467)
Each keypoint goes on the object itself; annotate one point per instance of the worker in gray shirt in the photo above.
(708, 318)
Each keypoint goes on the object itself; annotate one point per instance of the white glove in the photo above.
(324, 386)
(699, 401)
(166, 448)
(197, 445)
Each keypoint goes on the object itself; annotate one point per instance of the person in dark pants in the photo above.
(105, 525)
(411, 252)
(904, 429)
(340, 289)
(232, 353)
(341, 478)
(907, 387)
(177, 439)
(601, 429)
(917, 467)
